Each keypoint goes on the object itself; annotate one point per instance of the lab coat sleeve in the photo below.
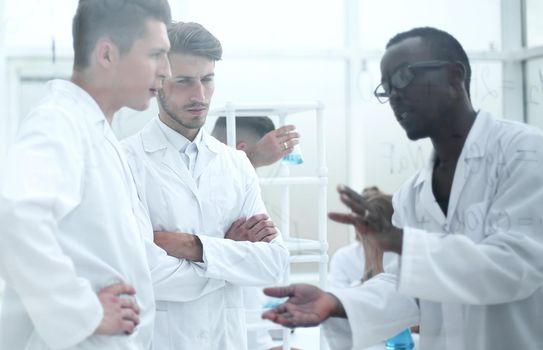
(177, 279)
(174, 279)
(503, 267)
(42, 183)
(375, 312)
(246, 263)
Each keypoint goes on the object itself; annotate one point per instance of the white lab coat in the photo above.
(202, 308)
(479, 271)
(67, 207)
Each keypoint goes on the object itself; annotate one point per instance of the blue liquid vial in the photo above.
(401, 341)
(294, 158)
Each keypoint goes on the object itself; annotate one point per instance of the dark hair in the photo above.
(122, 21)
(259, 125)
(442, 44)
(192, 38)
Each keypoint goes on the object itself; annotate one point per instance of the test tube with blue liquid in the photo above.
(295, 157)
(401, 341)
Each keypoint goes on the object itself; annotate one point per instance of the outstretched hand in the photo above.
(371, 218)
(307, 306)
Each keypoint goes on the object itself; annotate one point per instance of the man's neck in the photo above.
(450, 140)
(98, 92)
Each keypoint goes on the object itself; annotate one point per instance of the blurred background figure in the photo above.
(258, 138)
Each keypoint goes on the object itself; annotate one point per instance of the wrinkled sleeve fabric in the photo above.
(375, 312)
(41, 184)
(506, 264)
(246, 263)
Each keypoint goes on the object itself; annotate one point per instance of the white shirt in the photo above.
(202, 308)
(187, 149)
(69, 229)
(479, 270)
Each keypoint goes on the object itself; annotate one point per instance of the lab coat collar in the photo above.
(154, 139)
(474, 147)
(67, 87)
(473, 151)
(212, 143)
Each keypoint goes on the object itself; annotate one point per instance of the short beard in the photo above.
(171, 113)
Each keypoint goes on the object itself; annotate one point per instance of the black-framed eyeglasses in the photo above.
(403, 76)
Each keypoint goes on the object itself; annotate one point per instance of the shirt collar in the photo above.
(180, 142)
(474, 147)
(80, 96)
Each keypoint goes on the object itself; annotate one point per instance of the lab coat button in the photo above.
(446, 227)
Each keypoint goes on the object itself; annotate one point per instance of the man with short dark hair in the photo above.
(258, 138)
(71, 246)
(467, 226)
(205, 206)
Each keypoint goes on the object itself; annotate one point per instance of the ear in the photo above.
(242, 146)
(457, 78)
(106, 53)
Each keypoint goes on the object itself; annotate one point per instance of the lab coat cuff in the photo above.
(207, 253)
(412, 261)
(338, 333)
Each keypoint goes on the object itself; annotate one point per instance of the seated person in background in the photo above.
(258, 139)
(264, 145)
(360, 261)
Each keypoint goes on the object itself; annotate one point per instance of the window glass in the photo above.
(534, 92)
(381, 20)
(534, 25)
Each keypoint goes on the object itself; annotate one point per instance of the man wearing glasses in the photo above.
(467, 226)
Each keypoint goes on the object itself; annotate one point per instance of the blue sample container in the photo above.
(401, 341)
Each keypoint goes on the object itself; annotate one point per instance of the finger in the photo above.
(267, 232)
(261, 225)
(269, 315)
(289, 137)
(289, 147)
(129, 303)
(360, 207)
(237, 224)
(284, 130)
(279, 315)
(341, 218)
(127, 327)
(130, 315)
(119, 288)
(269, 238)
(279, 292)
(255, 219)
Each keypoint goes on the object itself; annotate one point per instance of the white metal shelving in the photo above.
(301, 250)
